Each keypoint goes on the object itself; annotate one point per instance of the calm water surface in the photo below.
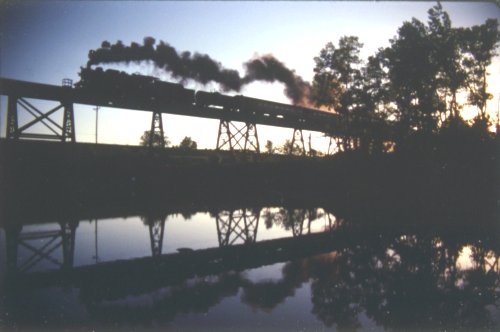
(266, 268)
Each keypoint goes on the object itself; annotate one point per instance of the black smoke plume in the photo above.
(268, 68)
(201, 67)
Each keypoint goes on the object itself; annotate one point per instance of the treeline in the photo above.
(416, 85)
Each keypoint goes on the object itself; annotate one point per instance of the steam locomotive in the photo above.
(119, 88)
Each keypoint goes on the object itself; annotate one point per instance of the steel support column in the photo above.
(156, 128)
(68, 130)
(231, 137)
(43, 246)
(63, 133)
(12, 238)
(298, 140)
(68, 232)
(233, 226)
(12, 124)
(156, 232)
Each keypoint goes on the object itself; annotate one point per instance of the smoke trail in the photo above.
(201, 67)
(268, 68)
(198, 67)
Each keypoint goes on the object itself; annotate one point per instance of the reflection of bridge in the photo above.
(42, 245)
(237, 226)
(173, 268)
(230, 135)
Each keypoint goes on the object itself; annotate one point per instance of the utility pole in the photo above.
(96, 122)
(96, 248)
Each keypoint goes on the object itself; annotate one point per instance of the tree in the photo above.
(291, 149)
(269, 147)
(479, 44)
(188, 144)
(337, 75)
(157, 140)
(447, 54)
(413, 83)
(339, 84)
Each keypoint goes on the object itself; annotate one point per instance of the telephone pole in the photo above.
(96, 122)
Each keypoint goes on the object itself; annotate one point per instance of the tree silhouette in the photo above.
(269, 147)
(188, 144)
(413, 83)
(157, 139)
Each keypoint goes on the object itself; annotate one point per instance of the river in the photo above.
(288, 267)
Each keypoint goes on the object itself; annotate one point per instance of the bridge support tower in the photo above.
(298, 142)
(238, 225)
(156, 131)
(58, 132)
(232, 137)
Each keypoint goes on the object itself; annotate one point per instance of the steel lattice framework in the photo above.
(237, 226)
(230, 135)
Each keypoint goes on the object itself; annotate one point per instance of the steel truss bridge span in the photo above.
(249, 111)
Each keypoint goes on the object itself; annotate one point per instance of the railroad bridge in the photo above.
(238, 116)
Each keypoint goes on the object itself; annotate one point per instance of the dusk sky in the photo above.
(48, 41)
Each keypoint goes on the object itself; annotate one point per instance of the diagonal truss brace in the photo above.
(63, 133)
(51, 241)
(238, 225)
(232, 137)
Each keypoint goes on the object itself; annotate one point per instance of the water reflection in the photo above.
(48, 246)
(247, 260)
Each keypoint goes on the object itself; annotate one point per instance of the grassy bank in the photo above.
(444, 182)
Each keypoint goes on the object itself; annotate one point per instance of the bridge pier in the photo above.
(156, 225)
(63, 133)
(237, 225)
(298, 140)
(42, 245)
(232, 137)
(156, 127)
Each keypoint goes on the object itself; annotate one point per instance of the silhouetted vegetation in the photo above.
(157, 140)
(414, 84)
(187, 143)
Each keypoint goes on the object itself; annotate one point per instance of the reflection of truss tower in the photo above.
(236, 225)
(231, 137)
(156, 231)
(42, 246)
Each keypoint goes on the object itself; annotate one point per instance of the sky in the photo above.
(47, 41)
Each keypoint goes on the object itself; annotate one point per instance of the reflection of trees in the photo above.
(403, 282)
(399, 279)
(298, 220)
(266, 295)
(195, 296)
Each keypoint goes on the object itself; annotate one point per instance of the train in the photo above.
(120, 88)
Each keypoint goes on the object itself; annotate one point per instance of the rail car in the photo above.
(282, 111)
(116, 87)
(260, 107)
(119, 88)
(215, 100)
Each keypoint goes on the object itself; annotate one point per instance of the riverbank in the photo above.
(451, 184)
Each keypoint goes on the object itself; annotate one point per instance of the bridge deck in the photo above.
(16, 88)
